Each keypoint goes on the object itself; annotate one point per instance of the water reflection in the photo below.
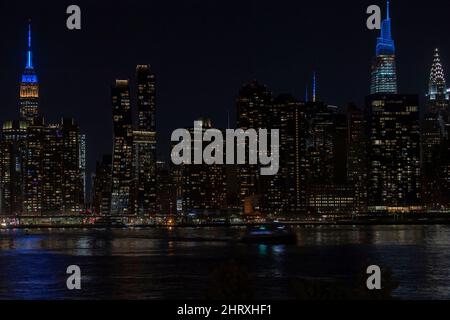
(178, 263)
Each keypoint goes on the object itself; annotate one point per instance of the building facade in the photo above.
(102, 186)
(252, 109)
(393, 129)
(286, 191)
(203, 187)
(144, 142)
(12, 167)
(122, 165)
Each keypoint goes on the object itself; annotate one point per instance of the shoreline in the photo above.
(237, 225)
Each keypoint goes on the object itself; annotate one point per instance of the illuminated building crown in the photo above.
(437, 84)
(29, 75)
(385, 43)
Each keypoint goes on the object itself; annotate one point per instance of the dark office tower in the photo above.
(340, 149)
(327, 189)
(72, 184)
(52, 166)
(252, 105)
(34, 174)
(384, 74)
(444, 181)
(83, 175)
(438, 99)
(12, 157)
(146, 98)
(102, 186)
(432, 143)
(5, 178)
(43, 169)
(166, 190)
(394, 152)
(286, 191)
(122, 172)
(176, 178)
(320, 130)
(203, 187)
(144, 167)
(293, 145)
(144, 151)
(357, 156)
(29, 88)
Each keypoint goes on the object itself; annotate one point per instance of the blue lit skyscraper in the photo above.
(384, 74)
(29, 88)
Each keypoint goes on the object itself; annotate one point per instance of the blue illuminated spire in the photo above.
(29, 53)
(387, 11)
(29, 75)
(384, 71)
(314, 91)
(385, 43)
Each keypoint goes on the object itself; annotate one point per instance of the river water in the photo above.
(197, 263)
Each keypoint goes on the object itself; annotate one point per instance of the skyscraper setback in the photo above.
(384, 73)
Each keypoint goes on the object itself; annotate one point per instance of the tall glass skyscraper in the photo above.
(144, 142)
(384, 74)
(121, 202)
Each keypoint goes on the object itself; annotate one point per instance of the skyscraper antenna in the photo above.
(29, 53)
(387, 6)
(314, 87)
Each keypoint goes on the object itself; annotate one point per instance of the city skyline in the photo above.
(218, 102)
(323, 153)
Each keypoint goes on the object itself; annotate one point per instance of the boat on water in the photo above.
(108, 222)
(270, 234)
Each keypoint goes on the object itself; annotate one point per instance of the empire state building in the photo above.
(384, 74)
(29, 88)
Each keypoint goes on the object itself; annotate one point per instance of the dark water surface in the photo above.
(187, 263)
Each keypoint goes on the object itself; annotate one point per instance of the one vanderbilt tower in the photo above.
(29, 87)
(384, 74)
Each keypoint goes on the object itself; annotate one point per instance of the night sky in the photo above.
(203, 51)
